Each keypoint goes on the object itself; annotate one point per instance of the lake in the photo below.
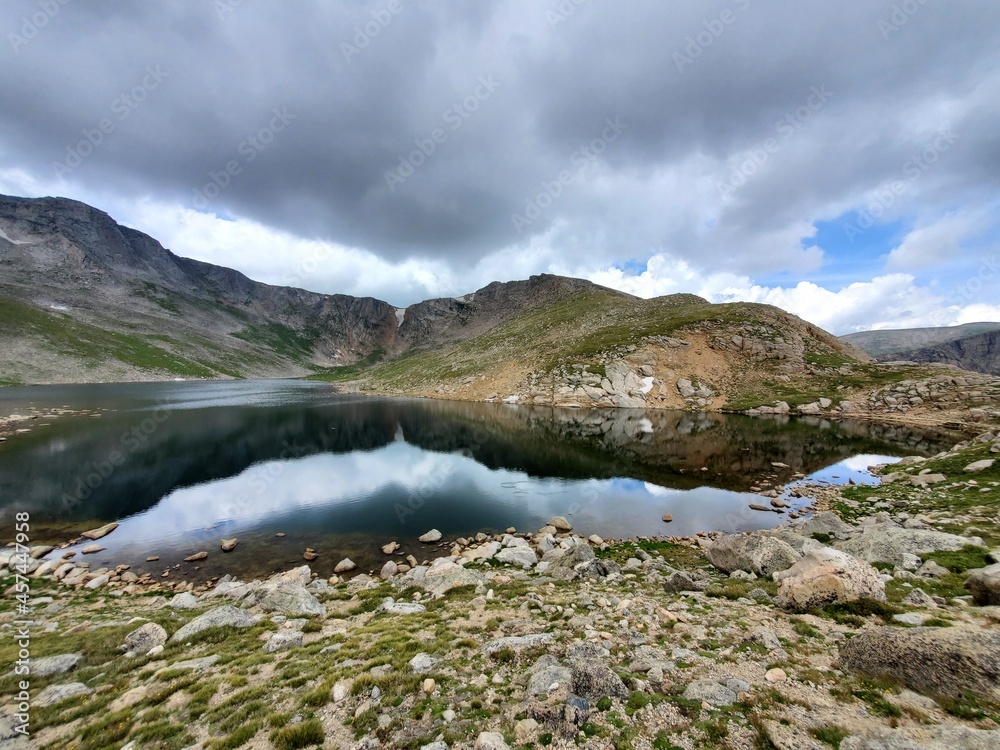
(183, 465)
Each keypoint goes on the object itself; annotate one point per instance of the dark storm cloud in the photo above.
(315, 105)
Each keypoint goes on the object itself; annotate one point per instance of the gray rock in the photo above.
(195, 665)
(430, 537)
(594, 680)
(542, 681)
(910, 618)
(47, 666)
(933, 661)
(984, 583)
(522, 557)
(977, 466)
(491, 741)
(516, 642)
(283, 640)
(577, 562)
(679, 581)
(826, 522)
(422, 663)
(887, 543)
(827, 576)
(345, 566)
(931, 738)
(184, 600)
(920, 598)
(285, 596)
(226, 616)
(53, 694)
(713, 692)
(400, 608)
(561, 524)
(754, 553)
(146, 637)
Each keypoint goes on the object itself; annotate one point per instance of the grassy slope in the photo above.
(593, 326)
(177, 351)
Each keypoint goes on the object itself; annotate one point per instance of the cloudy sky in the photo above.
(840, 160)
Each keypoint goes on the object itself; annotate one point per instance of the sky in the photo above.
(838, 160)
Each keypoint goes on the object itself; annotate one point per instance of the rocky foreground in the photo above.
(874, 624)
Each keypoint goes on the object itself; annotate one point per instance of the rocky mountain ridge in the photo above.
(972, 346)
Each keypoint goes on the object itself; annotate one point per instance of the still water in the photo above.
(183, 465)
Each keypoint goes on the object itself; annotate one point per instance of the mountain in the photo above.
(972, 346)
(84, 299)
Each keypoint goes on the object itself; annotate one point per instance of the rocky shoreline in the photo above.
(874, 624)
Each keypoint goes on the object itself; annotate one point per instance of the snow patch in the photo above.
(400, 314)
(647, 385)
(59, 308)
(3, 235)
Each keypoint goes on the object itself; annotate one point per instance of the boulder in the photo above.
(827, 576)
(53, 694)
(285, 596)
(577, 562)
(143, 639)
(826, 522)
(949, 662)
(561, 524)
(490, 741)
(184, 600)
(228, 545)
(283, 640)
(430, 537)
(715, 692)
(546, 679)
(226, 616)
(887, 543)
(47, 666)
(196, 557)
(345, 566)
(422, 663)
(679, 581)
(98, 533)
(984, 583)
(753, 553)
(594, 680)
(516, 642)
(522, 557)
(930, 738)
(977, 466)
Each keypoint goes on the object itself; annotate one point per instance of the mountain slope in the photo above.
(972, 346)
(84, 298)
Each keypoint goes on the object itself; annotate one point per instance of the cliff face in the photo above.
(973, 346)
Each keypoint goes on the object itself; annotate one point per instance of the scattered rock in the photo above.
(98, 533)
(53, 694)
(776, 675)
(345, 566)
(92, 549)
(226, 616)
(984, 583)
(977, 466)
(491, 741)
(184, 600)
(228, 545)
(47, 666)
(716, 693)
(933, 661)
(751, 552)
(283, 640)
(594, 680)
(517, 642)
(422, 663)
(430, 537)
(196, 557)
(561, 524)
(827, 576)
(143, 639)
(667, 517)
(887, 543)
(389, 548)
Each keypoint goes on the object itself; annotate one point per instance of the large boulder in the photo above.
(950, 662)
(827, 576)
(754, 553)
(925, 738)
(593, 680)
(579, 561)
(984, 583)
(442, 576)
(286, 594)
(226, 616)
(145, 637)
(826, 522)
(887, 543)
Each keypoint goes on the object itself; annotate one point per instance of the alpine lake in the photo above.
(285, 465)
